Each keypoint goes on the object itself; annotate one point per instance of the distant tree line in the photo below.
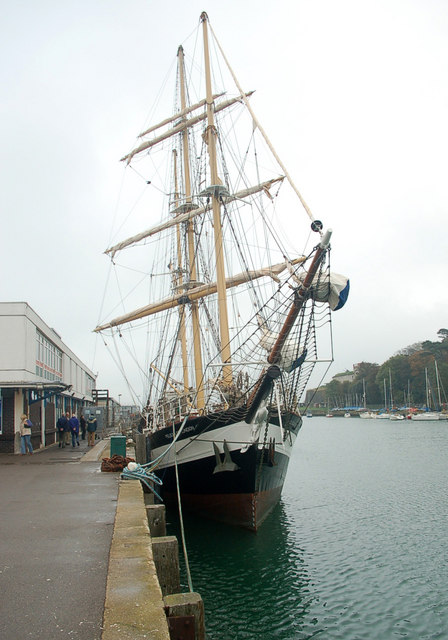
(400, 381)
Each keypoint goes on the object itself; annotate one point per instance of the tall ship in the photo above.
(234, 318)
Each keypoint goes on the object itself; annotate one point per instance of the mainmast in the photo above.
(191, 245)
(215, 192)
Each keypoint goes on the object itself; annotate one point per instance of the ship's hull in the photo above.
(228, 470)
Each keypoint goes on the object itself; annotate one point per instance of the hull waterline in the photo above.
(230, 483)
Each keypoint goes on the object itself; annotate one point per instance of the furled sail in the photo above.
(177, 116)
(332, 288)
(291, 355)
(202, 291)
(189, 214)
(179, 128)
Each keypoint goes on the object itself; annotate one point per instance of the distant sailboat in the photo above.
(384, 414)
(427, 415)
(366, 415)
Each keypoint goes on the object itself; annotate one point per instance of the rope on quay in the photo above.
(135, 471)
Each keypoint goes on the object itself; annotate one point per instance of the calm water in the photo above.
(357, 548)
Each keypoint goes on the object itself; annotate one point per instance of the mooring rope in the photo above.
(145, 473)
(136, 471)
(181, 520)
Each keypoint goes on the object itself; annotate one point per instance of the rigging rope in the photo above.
(263, 133)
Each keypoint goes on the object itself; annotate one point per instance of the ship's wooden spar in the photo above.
(177, 116)
(210, 136)
(188, 215)
(178, 279)
(172, 386)
(180, 127)
(197, 350)
(301, 298)
(266, 380)
(202, 291)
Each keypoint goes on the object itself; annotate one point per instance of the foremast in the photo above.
(215, 194)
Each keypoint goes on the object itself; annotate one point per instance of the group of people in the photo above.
(69, 427)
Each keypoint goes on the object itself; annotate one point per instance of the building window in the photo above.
(90, 384)
(48, 359)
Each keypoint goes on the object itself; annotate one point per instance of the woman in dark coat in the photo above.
(82, 422)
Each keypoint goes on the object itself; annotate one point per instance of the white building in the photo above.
(39, 375)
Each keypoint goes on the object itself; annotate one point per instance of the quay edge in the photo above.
(135, 607)
(134, 604)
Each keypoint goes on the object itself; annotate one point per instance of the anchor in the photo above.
(224, 465)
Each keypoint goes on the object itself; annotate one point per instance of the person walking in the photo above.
(67, 429)
(61, 426)
(74, 428)
(91, 430)
(25, 435)
(83, 425)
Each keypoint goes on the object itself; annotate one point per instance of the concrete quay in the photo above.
(76, 557)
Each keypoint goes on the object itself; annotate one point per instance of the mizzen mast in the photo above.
(179, 283)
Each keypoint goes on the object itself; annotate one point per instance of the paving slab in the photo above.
(58, 511)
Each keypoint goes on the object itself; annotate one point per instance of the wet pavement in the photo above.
(56, 525)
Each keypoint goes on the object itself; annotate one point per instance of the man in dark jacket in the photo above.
(68, 431)
(91, 429)
(62, 427)
(74, 428)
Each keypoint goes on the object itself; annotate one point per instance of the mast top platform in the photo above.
(216, 190)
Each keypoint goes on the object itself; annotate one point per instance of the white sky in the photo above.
(353, 93)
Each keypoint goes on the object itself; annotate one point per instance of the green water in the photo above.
(356, 549)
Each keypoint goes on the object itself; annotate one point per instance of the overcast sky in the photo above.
(354, 95)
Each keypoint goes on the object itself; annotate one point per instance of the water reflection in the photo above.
(253, 585)
(356, 549)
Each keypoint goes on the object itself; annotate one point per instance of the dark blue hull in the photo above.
(239, 490)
